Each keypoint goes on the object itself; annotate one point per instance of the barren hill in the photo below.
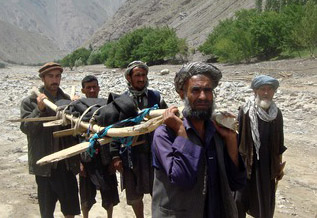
(25, 47)
(67, 23)
(192, 19)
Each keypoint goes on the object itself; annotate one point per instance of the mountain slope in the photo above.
(21, 46)
(192, 19)
(66, 22)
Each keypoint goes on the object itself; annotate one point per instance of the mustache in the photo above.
(203, 101)
(54, 84)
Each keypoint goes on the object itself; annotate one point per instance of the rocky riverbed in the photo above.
(296, 97)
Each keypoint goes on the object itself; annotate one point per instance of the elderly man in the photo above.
(197, 163)
(261, 144)
(54, 181)
(136, 163)
(95, 173)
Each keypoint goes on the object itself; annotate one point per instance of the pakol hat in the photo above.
(49, 67)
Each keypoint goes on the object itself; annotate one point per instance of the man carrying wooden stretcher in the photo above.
(135, 162)
(96, 172)
(55, 181)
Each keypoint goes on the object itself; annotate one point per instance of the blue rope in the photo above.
(127, 141)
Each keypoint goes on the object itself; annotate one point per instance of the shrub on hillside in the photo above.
(94, 58)
(151, 45)
(231, 40)
(268, 32)
(264, 35)
(305, 32)
(79, 54)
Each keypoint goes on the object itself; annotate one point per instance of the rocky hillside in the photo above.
(25, 47)
(192, 19)
(67, 23)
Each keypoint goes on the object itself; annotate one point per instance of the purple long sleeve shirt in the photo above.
(180, 158)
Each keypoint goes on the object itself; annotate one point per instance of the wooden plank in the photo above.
(62, 133)
(140, 129)
(34, 119)
(53, 123)
(69, 152)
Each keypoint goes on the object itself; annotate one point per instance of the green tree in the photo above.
(231, 40)
(151, 45)
(94, 57)
(81, 53)
(167, 45)
(305, 33)
(268, 33)
(67, 61)
(292, 15)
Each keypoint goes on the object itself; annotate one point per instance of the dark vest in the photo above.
(246, 147)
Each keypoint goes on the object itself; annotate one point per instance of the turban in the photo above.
(196, 68)
(261, 80)
(133, 65)
(49, 67)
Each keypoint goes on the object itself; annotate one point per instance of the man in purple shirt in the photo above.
(196, 162)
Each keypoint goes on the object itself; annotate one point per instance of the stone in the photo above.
(165, 71)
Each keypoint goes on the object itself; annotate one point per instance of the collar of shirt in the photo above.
(209, 129)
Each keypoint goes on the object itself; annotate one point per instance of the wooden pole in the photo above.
(113, 132)
(34, 119)
(140, 129)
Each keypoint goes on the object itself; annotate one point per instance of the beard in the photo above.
(197, 114)
(263, 103)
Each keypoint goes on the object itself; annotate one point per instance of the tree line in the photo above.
(151, 45)
(280, 28)
(274, 29)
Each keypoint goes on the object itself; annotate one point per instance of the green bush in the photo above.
(231, 40)
(2, 65)
(268, 32)
(305, 32)
(94, 58)
(160, 44)
(81, 54)
(151, 45)
(264, 35)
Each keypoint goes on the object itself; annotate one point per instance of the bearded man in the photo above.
(261, 144)
(55, 181)
(196, 162)
(135, 163)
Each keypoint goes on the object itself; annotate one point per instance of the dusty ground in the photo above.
(297, 97)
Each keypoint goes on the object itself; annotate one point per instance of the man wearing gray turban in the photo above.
(135, 162)
(261, 144)
(196, 162)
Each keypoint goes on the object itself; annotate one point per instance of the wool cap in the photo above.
(135, 64)
(196, 68)
(261, 80)
(49, 67)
